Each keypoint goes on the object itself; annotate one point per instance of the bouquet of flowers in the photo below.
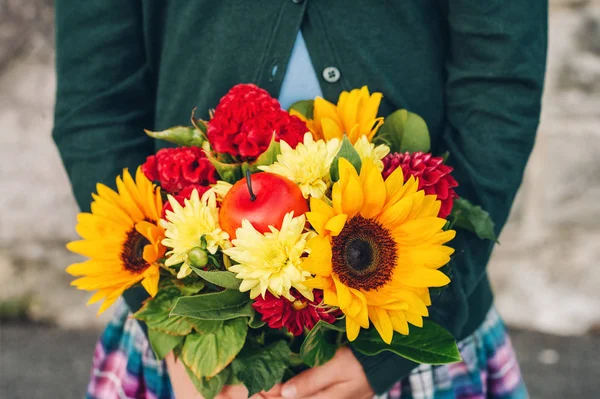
(269, 238)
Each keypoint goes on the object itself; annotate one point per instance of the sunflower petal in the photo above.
(336, 224)
(352, 329)
(424, 277)
(373, 188)
(382, 323)
(331, 130)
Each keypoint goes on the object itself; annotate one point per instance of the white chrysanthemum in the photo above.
(307, 165)
(369, 151)
(185, 226)
(271, 261)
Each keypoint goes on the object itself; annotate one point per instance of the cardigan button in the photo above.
(331, 74)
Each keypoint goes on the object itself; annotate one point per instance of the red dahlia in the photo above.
(176, 169)
(434, 176)
(245, 119)
(295, 316)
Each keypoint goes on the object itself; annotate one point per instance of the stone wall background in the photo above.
(545, 271)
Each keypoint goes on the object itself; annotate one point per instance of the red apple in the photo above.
(274, 196)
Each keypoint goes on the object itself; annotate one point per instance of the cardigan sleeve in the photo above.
(495, 74)
(103, 99)
(495, 70)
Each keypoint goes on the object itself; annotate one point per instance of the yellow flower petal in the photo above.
(331, 130)
(352, 329)
(373, 188)
(336, 224)
(399, 322)
(423, 277)
(382, 323)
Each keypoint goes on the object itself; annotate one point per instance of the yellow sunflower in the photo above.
(122, 239)
(355, 115)
(378, 250)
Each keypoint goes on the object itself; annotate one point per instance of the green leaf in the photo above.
(319, 345)
(229, 172)
(162, 344)
(205, 326)
(255, 323)
(404, 131)
(224, 305)
(189, 288)
(430, 344)
(348, 152)
(268, 157)
(221, 278)
(304, 107)
(472, 218)
(207, 354)
(209, 388)
(155, 312)
(180, 135)
(260, 369)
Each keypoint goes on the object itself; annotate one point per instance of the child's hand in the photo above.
(340, 378)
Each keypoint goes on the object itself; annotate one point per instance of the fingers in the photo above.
(274, 392)
(234, 392)
(319, 378)
(342, 390)
(182, 385)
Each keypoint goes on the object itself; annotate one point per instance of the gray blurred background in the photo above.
(545, 273)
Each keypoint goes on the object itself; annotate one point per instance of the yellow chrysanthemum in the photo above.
(307, 165)
(378, 250)
(271, 261)
(355, 115)
(186, 225)
(369, 152)
(122, 239)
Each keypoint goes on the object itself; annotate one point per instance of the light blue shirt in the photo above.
(300, 81)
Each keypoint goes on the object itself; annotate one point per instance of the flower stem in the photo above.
(249, 183)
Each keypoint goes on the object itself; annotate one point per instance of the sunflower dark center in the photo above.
(133, 251)
(359, 254)
(364, 254)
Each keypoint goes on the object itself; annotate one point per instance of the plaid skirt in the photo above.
(124, 366)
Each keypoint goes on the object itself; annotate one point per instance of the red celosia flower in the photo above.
(295, 316)
(434, 176)
(175, 169)
(245, 120)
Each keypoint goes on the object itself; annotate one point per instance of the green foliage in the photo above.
(162, 344)
(209, 388)
(320, 343)
(304, 107)
(205, 326)
(430, 344)
(220, 278)
(348, 152)
(260, 369)
(404, 131)
(472, 218)
(224, 305)
(180, 135)
(155, 313)
(268, 157)
(187, 287)
(255, 322)
(229, 172)
(207, 354)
